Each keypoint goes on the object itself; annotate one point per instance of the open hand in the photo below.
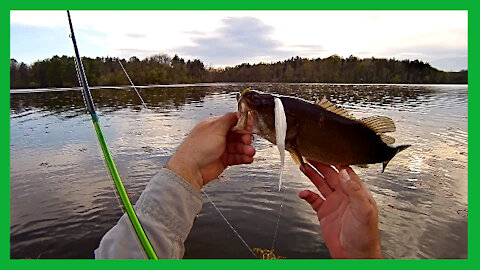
(348, 217)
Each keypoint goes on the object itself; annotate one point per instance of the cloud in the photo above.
(443, 57)
(239, 40)
(451, 64)
(140, 53)
(221, 38)
(135, 35)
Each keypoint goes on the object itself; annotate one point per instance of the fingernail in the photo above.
(344, 175)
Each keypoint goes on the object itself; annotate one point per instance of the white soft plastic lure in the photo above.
(281, 133)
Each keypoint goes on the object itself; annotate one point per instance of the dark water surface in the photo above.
(63, 202)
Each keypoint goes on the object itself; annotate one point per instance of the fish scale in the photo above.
(322, 132)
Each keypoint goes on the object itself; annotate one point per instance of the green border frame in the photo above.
(471, 6)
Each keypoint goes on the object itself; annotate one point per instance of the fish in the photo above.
(320, 131)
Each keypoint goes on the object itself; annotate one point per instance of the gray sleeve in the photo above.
(166, 209)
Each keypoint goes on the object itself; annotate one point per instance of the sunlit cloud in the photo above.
(221, 38)
(238, 40)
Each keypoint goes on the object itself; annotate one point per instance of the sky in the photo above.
(228, 38)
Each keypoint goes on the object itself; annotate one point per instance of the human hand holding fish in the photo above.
(210, 148)
(324, 133)
(348, 216)
(321, 133)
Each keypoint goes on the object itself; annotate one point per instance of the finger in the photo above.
(249, 126)
(239, 137)
(240, 148)
(330, 175)
(352, 187)
(364, 187)
(236, 159)
(247, 138)
(225, 122)
(312, 198)
(317, 180)
(352, 174)
(235, 147)
(249, 151)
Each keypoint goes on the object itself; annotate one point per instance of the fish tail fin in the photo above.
(402, 147)
(397, 149)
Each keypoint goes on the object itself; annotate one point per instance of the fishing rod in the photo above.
(106, 152)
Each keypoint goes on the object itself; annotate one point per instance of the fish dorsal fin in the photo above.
(379, 124)
(329, 106)
(387, 139)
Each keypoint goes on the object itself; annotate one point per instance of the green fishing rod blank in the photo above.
(150, 252)
(123, 194)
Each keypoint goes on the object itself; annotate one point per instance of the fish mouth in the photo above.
(248, 100)
(245, 91)
(244, 102)
(241, 99)
(245, 109)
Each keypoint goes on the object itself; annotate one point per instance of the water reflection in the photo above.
(175, 97)
(62, 201)
(107, 100)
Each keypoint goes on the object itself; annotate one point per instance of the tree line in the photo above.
(163, 69)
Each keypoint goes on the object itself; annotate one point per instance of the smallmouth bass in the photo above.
(322, 131)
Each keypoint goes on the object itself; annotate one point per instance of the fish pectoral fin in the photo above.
(379, 124)
(329, 106)
(291, 141)
(299, 160)
(387, 139)
(296, 156)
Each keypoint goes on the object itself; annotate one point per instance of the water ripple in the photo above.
(63, 202)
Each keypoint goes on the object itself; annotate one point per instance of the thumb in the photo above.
(357, 196)
(225, 122)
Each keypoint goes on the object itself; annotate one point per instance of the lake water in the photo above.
(63, 202)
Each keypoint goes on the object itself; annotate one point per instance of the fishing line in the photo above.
(128, 77)
(206, 195)
(230, 225)
(78, 72)
(280, 134)
(278, 218)
(115, 192)
(77, 69)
